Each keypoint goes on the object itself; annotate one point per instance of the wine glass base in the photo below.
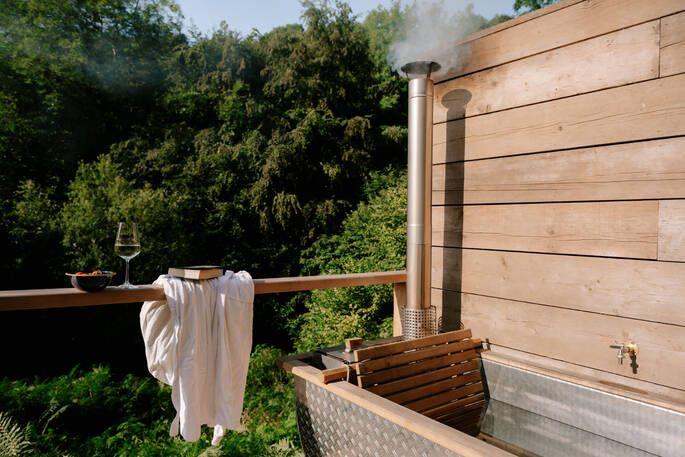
(127, 285)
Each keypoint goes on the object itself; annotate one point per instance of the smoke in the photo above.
(430, 30)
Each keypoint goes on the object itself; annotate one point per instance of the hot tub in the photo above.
(527, 414)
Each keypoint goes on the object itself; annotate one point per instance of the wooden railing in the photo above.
(13, 300)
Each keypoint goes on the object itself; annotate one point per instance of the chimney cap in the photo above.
(420, 69)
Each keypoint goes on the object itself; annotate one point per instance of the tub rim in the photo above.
(430, 429)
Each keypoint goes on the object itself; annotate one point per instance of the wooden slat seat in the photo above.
(438, 376)
(424, 366)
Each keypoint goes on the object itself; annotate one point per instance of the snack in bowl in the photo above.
(93, 281)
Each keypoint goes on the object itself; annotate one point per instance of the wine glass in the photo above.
(127, 246)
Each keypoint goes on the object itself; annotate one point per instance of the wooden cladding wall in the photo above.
(559, 188)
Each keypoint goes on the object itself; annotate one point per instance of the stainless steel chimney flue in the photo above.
(418, 317)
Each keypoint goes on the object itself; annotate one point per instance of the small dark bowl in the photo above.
(92, 283)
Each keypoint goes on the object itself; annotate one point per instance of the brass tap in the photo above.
(628, 348)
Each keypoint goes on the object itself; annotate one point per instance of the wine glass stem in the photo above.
(126, 282)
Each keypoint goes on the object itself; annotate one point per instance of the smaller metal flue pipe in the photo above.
(418, 318)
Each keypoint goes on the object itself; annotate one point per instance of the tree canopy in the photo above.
(523, 6)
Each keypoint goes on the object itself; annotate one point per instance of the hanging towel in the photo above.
(198, 341)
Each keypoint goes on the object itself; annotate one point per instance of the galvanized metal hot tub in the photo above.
(528, 414)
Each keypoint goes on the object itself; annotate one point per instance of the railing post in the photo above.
(399, 302)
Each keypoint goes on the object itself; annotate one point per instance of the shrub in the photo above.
(372, 238)
(98, 413)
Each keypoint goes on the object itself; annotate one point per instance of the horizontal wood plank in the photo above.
(404, 371)
(416, 355)
(435, 388)
(525, 17)
(579, 337)
(305, 283)
(13, 300)
(637, 289)
(615, 59)
(424, 378)
(646, 110)
(469, 416)
(334, 374)
(383, 350)
(672, 230)
(445, 397)
(621, 229)
(672, 45)
(566, 25)
(643, 170)
(456, 407)
(548, 141)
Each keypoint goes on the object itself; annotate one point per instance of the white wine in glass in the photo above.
(127, 246)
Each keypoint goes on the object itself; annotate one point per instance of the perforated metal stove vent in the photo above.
(417, 323)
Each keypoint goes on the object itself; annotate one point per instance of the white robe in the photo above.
(198, 341)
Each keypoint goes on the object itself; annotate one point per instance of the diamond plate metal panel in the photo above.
(333, 427)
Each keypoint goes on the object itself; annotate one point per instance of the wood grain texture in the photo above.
(333, 374)
(646, 110)
(638, 289)
(423, 378)
(303, 283)
(552, 141)
(470, 413)
(414, 369)
(383, 350)
(425, 353)
(616, 229)
(399, 301)
(618, 58)
(445, 397)
(672, 230)
(535, 14)
(672, 45)
(562, 27)
(474, 401)
(579, 337)
(435, 388)
(644, 170)
(13, 300)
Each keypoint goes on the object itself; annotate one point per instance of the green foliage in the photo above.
(98, 413)
(31, 216)
(524, 6)
(372, 238)
(74, 77)
(263, 142)
(13, 442)
(99, 197)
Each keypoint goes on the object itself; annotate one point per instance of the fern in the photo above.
(13, 440)
(53, 412)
